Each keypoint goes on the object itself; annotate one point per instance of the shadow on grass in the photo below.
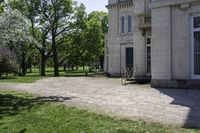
(12, 105)
(74, 76)
(78, 75)
(62, 73)
(15, 77)
(76, 71)
(6, 78)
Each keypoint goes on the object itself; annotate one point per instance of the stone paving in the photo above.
(104, 95)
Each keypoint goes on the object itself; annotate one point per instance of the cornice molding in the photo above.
(163, 3)
(121, 4)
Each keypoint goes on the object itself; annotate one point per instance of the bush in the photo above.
(8, 61)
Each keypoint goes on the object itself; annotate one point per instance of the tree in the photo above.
(1, 6)
(76, 41)
(96, 26)
(7, 61)
(87, 36)
(64, 32)
(29, 8)
(102, 18)
(45, 50)
(50, 20)
(14, 34)
(57, 14)
(93, 39)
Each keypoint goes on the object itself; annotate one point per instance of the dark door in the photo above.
(148, 55)
(196, 43)
(129, 57)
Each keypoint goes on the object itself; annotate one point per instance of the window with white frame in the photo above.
(147, 5)
(196, 45)
(122, 24)
(129, 24)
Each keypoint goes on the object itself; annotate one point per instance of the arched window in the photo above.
(129, 24)
(122, 24)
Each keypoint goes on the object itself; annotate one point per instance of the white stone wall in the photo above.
(161, 43)
(171, 40)
(139, 48)
(139, 7)
(116, 41)
(171, 52)
(180, 43)
(113, 30)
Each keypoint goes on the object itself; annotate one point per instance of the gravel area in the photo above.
(104, 95)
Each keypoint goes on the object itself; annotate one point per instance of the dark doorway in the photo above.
(148, 55)
(129, 57)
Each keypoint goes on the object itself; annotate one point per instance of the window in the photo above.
(148, 55)
(196, 22)
(148, 41)
(129, 56)
(147, 5)
(122, 24)
(129, 24)
(196, 46)
(197, 53)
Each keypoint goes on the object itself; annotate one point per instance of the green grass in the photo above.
(22, 113)
(34, 76)
(21, 79)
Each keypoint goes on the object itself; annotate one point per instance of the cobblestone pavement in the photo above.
(103, 95)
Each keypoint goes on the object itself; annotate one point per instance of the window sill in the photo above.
(126, 34)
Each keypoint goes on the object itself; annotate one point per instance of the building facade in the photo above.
(158, 38)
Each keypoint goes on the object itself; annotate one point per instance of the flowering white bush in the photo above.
(8, 61)
(14, 28)
(14, 33)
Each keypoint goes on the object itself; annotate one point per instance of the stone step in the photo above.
(100, 74)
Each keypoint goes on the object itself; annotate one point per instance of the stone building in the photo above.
(159, 39)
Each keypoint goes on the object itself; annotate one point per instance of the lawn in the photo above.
(23, 113)
(34, 75)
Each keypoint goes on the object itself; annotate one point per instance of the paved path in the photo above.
(108, 96)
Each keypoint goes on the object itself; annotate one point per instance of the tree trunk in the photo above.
(30, 69)
(23, 64)
(55, 56)
(42, 64)
(64, 67)
(72, 67)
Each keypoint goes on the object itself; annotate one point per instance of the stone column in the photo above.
(161, 46)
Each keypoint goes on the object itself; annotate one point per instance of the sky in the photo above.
(94, 5)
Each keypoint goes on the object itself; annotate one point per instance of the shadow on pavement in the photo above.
(187, 98)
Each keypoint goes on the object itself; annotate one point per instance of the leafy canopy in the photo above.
(14, 28)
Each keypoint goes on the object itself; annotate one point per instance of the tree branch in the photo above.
(65, 29)
(63, 60)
